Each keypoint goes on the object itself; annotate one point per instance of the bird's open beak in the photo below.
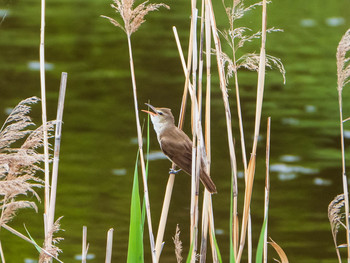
(152, 108)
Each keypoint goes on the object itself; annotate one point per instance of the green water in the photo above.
(99, 125)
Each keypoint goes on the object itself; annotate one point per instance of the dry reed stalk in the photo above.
(109, 246)
(133, 18)
(143, 169)
(196, 155)
(223, 88)
(251, 167)
(44, 115)
(2, 256)
(170, 184)
(85, 246)
(343, 73)
(208, 129)
(58, 133)
(267, 184)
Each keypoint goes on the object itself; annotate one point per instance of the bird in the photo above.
(176, 145)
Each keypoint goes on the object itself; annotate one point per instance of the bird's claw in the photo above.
(173, 171)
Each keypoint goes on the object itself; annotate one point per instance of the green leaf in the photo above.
(135, 248)
(260, 249)
(217, 248)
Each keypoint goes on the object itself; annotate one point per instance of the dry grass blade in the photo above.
(279, 251)
(343, 66)
(335, 215)
(178, 245)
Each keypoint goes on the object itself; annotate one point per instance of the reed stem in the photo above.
(139, 136)
(109, 246)
(344, 176)
(58, 133)
(267, 185)
(44, 114)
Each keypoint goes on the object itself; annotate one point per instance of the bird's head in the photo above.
(160, 117)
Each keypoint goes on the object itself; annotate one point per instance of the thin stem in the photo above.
(84, 245)
(56, 159)
(251, 168)
(344, 177)
(143, 169)
(171, 180)
(43, 109)
(267, 185)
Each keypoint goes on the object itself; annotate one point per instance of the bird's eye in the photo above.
(160, 113)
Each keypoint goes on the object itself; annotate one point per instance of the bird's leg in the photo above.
(173, 171)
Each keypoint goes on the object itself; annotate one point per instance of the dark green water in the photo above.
(99, 126)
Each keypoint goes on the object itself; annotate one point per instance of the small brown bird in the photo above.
(175, 144)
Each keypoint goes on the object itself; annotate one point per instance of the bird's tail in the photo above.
(208, 183)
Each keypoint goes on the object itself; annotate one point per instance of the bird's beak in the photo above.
(155, 113)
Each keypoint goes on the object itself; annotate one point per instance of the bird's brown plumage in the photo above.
(175, 144)
(180, 152)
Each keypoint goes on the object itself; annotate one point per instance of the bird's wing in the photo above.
(178, 150)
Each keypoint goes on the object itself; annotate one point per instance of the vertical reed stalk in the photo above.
(84, 245)
(139, 136)
(2, 254)
(267, 185)
(344, 176)
(44, 115)
(109, 246)
(195, 147)
(58, 133)
(251, 167)
(233, 162)
(170, 184)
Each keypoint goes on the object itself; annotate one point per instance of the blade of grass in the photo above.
(135, 247)
(279, 251)
(260, 248)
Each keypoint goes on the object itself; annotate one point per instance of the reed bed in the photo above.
(19, 165)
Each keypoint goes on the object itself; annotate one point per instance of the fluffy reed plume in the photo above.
(132, 17)
(19, 165)
(343, 65)
(336, 215)
(178, 245)
(53, 250)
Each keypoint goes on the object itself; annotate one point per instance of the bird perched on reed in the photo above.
(175, 144)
